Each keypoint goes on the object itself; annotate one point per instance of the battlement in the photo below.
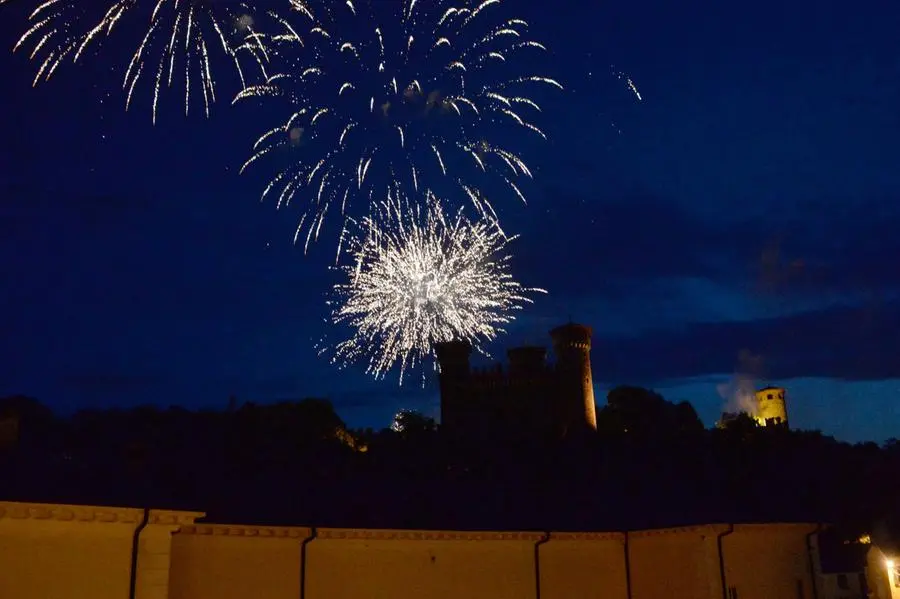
(528, 390)
(514, 376)
(572, 335)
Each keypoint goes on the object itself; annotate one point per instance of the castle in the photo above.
(531, 397)
(768, 409)
(535, 397)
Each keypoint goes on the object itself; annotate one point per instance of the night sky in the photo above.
(740, 218)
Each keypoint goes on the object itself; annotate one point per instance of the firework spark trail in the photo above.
(628, 83)
(425, 95)
(418, 277)
(180, 34)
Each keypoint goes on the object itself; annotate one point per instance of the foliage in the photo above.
(651, 464)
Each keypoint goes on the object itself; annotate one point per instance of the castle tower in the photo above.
(772, 409)
(453, 359)
(572, 346)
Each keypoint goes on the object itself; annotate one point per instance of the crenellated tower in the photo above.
(575, 404)
(453, 359)
(529, 399)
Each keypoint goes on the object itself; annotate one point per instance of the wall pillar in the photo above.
(155, 552)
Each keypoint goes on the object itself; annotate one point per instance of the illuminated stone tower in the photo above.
(574, 407)
(772, 410)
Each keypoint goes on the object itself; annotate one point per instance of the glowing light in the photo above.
(403, 94)
(417, 278)
(179, 37)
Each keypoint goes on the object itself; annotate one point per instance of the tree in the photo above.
(412, 423)
(645, 413)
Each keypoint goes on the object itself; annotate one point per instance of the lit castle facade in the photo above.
(769, 406)
(531, 397)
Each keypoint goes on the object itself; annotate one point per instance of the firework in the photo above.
(425, 95)
(174, 50)
(417, 277)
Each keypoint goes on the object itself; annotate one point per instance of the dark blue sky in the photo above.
(747, 206)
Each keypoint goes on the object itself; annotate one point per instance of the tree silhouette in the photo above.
(650, 464)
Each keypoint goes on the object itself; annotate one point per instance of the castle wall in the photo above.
(675, 563)
(583, 566)
(413, 564)
(70, 552)
(236, 562)
(768, 561)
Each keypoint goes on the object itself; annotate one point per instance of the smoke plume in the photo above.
(739, 393)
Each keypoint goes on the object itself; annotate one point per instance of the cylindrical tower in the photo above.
(772, 409)
(453, 359)
(572, 346)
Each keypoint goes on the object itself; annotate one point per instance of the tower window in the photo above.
(769, 396)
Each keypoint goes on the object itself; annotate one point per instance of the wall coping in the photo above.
(424, 535)
(241, 530)
(587, 536)
(700, 528)
(720, 528)
(769, 526)
(61, 512)
(186, 521)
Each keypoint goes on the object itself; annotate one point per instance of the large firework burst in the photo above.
(418, 277)
(174, 48)
(426, 95)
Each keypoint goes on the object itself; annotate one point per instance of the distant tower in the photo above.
(453, 359)
(772, 408)
(572, 345)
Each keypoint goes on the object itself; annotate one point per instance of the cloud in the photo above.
(637, 237)
(844, 342)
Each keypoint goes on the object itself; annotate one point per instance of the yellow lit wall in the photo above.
(583, 566)
(768, 561)
(881, 574)
(392, 564)
(75, 552)
(236, 562)
(675, 562)
(51, 551)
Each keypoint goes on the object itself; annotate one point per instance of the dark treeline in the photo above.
(650, 464)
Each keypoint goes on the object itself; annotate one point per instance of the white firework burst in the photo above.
(418, 277)
(174, 50)
(427, 95)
